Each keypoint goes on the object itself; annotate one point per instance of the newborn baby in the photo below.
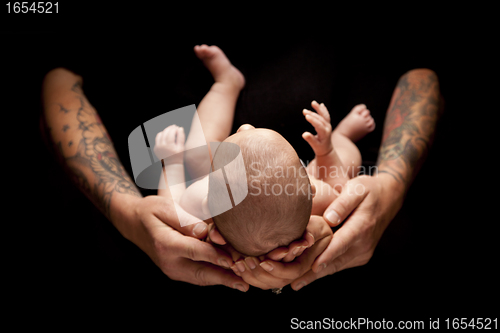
(282, 192)
(278, 205)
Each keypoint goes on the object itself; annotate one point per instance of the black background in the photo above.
(64, 260)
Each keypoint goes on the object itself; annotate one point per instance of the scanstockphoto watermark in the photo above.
(359, 323)
(271, 180)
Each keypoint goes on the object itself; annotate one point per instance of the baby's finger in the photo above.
(321, 110)
(321, 127)
(159, 138)
(170, 134)
(318, 119)
(311, 139)
(181, 137)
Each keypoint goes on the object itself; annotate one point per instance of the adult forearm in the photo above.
(410, 126)
(83, 147)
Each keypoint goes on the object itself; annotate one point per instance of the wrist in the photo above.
(123, 212)
(394, 190)
(324, 151)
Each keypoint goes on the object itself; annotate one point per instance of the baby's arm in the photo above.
(328, 166)
(169, 147)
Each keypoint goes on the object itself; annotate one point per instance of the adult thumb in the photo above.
(351, 196)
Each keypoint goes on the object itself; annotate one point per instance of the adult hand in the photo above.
(373, 202)
(176, 250)
(266, 273)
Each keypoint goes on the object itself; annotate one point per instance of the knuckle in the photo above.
(366, 248)
(365, 259)
(341, 205)
(190, 252)
(344, 246)
(158, 246)
(334, 267)
(200, 276)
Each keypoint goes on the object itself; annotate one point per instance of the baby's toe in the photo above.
(359, 108)
(370, 124)
(203, 51)
(365, 113)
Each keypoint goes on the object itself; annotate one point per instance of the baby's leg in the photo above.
(216, 110)
(352, 128)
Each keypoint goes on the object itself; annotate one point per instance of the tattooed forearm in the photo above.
(85, 149)
(409, 126)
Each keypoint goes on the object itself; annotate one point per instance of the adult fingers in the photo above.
(205, 274)
(351, 196)
(172, 214)
(335, 266)
(314, 230)
(196, 250)
(342, 241)
(251, 272)
(299, 266)
(277, 254)
(214, 235)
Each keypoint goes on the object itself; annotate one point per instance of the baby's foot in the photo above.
(357, 123)
(219, 65)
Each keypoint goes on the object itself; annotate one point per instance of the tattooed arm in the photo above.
(84, 148)
(409, 126)
(375, 200)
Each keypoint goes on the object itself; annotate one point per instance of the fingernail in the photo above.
(314, 239)
(239, 286)
(250, 262)
(199, 228)
(241, 266)
(223, 263)
(297, 250)
(332, 216)
(300, 285)
(266, 266)
(282, 256)
(235, 270)
(320, 267)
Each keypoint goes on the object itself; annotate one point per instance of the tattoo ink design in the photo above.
(63, 109)
(409, 125)
(95, 152)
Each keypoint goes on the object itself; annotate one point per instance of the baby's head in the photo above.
(278, 205)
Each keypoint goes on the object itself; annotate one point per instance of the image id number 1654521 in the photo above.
(33, 7)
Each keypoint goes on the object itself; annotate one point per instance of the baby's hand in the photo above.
(321, 142)
(170, 143)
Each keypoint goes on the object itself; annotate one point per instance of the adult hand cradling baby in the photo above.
(152, 222)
